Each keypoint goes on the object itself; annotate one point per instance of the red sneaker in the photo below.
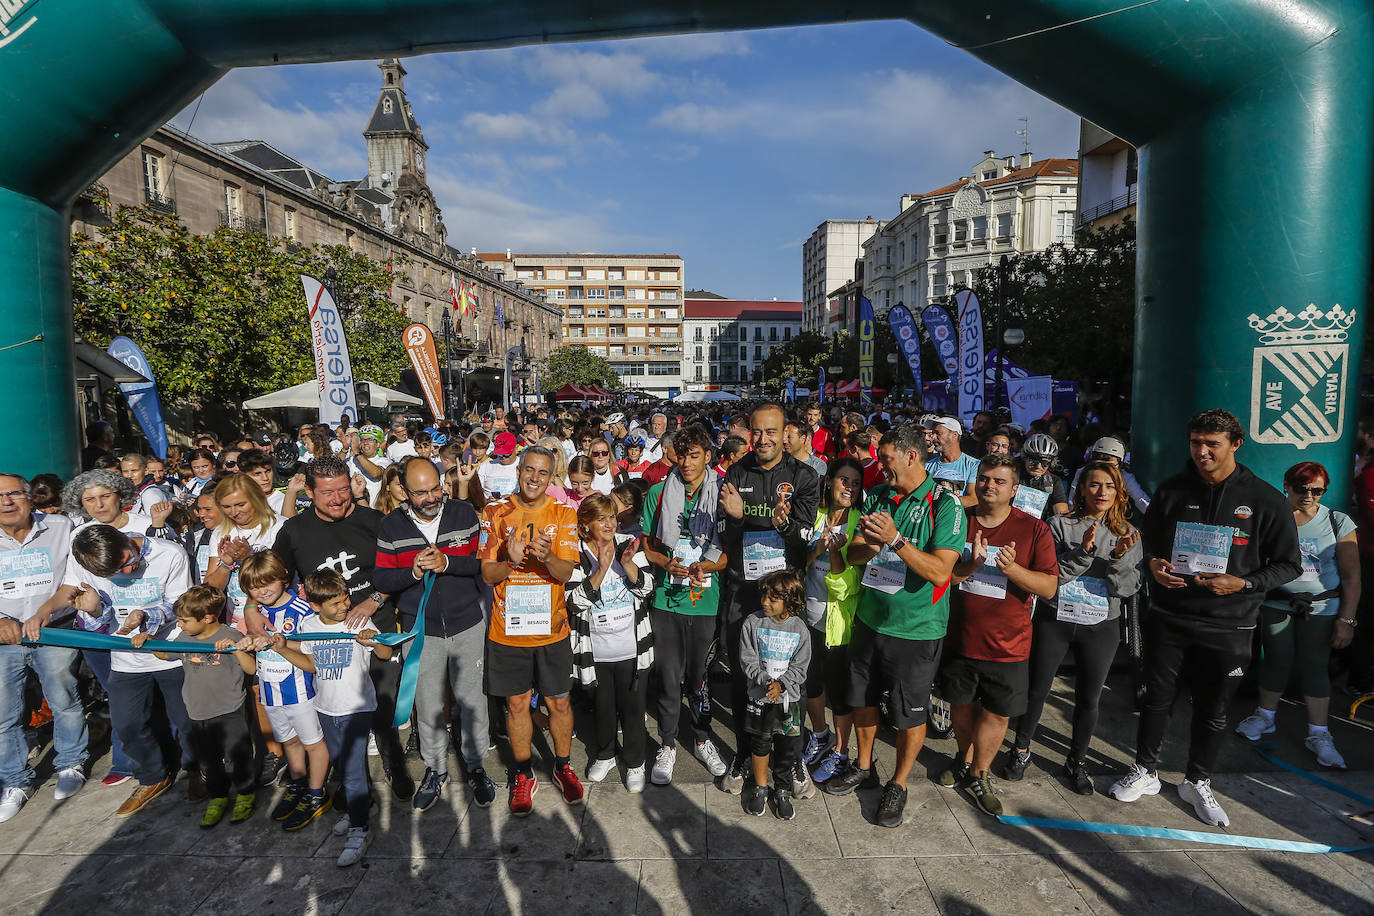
(569, 785)
(115, 779)
(522, 789)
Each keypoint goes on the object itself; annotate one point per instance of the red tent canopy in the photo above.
(581, 393)
(850, 389)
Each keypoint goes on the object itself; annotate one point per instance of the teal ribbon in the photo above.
(1166, 833)
(1264, 746)
(410, 668)
(80, 639)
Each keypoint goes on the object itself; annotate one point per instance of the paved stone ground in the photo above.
(690, 848)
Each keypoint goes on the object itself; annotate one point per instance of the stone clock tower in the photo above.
(396, 158)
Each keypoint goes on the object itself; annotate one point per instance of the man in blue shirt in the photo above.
(950, 462)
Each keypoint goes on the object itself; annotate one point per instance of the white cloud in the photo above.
(544, 163)
(574, 100)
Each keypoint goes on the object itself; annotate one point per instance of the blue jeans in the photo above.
(99, 660)
(53, 665)
(346, 738)
(132, 698)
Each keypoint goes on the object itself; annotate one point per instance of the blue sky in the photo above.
(727, 149)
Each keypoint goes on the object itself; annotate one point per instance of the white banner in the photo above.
(1030, 398)
(333, 370)
(971, 369)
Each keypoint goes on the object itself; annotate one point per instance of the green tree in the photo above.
(576, 365)
(222, 317)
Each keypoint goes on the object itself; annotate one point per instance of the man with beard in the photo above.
(431, 534)
(336, 533)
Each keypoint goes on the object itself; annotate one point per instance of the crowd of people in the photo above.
(806, 574)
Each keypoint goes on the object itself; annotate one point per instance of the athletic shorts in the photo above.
(836, 677)
(999, 687)
(513, 670)
(298, 720)
(901, 669)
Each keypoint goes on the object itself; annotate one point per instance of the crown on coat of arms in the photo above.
(1310, 326)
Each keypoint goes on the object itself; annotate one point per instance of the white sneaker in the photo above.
(11, 801)
(372, 750)
(1255, 725)
(1138, 781)
(634, 779)
(358, 840)
(1324, 747)
(70, 781)
(341, 826)
(663, 765)
(1199, 795)
(706, 752)
(598, 769)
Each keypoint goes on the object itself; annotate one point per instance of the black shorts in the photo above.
(815, 669)
(836, 677)
(903, 669)
(513, 670)
(1000, 687)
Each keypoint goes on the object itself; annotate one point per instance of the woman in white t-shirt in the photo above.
(1304, 620)
(612, 642)
(98, 497)
(249, 525)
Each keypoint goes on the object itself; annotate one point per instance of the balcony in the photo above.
(239, 221)
(1086, 217)
(159, 203)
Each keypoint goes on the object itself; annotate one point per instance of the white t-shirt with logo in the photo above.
(164, 574)
(342, 683)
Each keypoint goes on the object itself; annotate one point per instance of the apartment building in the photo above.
(728, 340)
(828, 258)
(1108, 177)
(625, 307)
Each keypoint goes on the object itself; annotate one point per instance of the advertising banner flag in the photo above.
(424, 357)
(941, 331)
(820, 385)
(903, 325)
(866, 333)
(971, 367)
(791, 390)
(333, 370)
(142, 396)
(1030, 399)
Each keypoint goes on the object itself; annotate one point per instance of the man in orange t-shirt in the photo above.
(528, 549)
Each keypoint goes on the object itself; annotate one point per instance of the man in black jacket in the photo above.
(768, 502)
(1216, 539)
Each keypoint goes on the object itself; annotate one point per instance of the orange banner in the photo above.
(420, 345)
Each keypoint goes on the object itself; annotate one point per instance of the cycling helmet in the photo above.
(634, 441)
(1041, 445)
(438, 439)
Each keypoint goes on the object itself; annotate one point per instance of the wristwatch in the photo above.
(1349, 621)
(897, 543)
(1249, 586)
(378, 598)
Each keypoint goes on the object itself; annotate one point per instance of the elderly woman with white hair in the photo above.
(99, 497)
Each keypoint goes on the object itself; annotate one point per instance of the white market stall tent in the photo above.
(307, 395)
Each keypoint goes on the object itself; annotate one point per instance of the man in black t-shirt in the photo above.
(336, 533)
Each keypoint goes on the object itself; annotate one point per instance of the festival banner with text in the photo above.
(333, 370)
(420, 347)
(866, 332)
(903, 325)
(971, 369)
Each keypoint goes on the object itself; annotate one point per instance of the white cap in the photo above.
(950, 424)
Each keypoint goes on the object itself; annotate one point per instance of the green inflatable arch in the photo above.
(1252, 118)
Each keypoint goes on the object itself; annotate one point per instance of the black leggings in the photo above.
(1212, 661)
(222, 738)
(1094, 647)
(620, 697)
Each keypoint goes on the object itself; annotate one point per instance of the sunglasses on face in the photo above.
(1309, 491)
(600, 454)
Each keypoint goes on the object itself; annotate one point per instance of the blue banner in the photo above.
(142, 396)
(821, 385)
(866, 332)
(791, 390)
(941, 331)
(903, 325)
(971, 363)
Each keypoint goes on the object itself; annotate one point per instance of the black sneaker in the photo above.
(483, 789)
(289, 799)
(431, 787)
(311, 806)
(1017, 761)
(954, 774)
(756, 800)
(782, 804)
(1077, 772)
(398, 777)
(851, 779)
(891, 805)
(271, 768)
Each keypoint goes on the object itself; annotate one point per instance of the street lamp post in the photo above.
(448, 363)
(1001, 345)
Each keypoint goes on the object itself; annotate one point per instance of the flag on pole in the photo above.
(333, 370)
(453, 294)
(866, 334)
(469, 298)
(388, 260)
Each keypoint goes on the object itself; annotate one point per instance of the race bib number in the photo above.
(273, 668)
(1084, 600)
(616, 610)
(987, 580)
(1030, 500)
(776, 648)
(1311, 564)
(26, 573)
(687, 552)
(1201, 548)
(136, 595)
(202, 561)
(886, 572)
(529, 610)
(763, 554)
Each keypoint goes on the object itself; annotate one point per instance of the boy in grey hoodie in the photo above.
(775, 650)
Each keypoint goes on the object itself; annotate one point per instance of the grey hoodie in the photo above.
(765, 643)
(1122, 576)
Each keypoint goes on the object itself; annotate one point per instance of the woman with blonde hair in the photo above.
(249, 525)
(1099, 565)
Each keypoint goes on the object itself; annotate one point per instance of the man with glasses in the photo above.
(430, 533)
(34, 548)
(949, 461)
(401, 445)
(125, 584)
(1217, 539)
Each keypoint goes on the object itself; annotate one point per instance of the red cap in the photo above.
(504, 445)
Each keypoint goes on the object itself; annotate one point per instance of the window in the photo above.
(574, 292)
(596, 313)
(615, 273)
(988, 176)
(937, 285)
(1063, 226)
(758, 353)
(635, 273)
(887, 257)
(961, 231)
(743, 373)
(617, 330)
(697, 335)
(574, 311)
(663, 369)
(887, 298)
(698, 354)
(634, 294)
(596, 294)
(617, 292)
(596, 273)
(596, 330)
(787, 332)
(289, 223)
(743, 333)
(558, 294)
(901, 252)
(713, 333)
(637, 350)
(1064, 189)
(980, 227)
(667, 313)
(773, 333)
(554, 273)
(758, 333)
(617, 311)
(939, 231)
(524, 273)
(636, 313)
(599, 351)
(574, 273)
(713, 354)
(698, 373)
(636, 331)
(713, 372)
(232, 208)
(1004, 225)
(386, 102)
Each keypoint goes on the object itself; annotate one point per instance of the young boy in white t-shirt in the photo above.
(344, 696)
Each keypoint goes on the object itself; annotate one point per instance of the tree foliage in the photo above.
(802, 357)
(576, 365)
(222, 317)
